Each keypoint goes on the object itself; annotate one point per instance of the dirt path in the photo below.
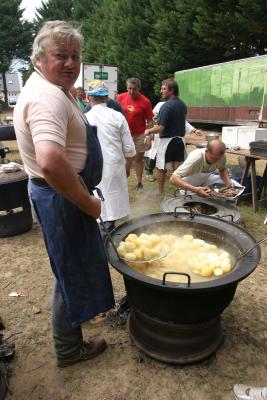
(123, 372)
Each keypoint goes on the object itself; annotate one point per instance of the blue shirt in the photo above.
(172, 116)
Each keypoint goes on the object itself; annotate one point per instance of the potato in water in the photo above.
(188, 254)
(141, 248)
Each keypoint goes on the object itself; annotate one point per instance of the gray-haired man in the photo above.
(57, 145)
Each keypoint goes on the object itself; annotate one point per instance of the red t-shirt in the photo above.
(136, 111)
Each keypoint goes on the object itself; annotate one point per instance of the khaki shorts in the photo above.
(139, 143)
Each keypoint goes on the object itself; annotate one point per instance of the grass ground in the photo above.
(123, 372)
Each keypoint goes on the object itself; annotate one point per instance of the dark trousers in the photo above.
(150, 165)
(67, 339)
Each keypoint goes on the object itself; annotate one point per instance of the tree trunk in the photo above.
(5, 89)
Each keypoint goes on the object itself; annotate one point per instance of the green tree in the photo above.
(82, 9)
(53, 10)
(15, 37)
(116, 33)
(230, 29)
(170, 39)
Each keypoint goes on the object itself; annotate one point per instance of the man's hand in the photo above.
(198, 132)
(128, 166)
(148, 143)
(230, 185)
(203, 191)
(147, 132)
(94, 207)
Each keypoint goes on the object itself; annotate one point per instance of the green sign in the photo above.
(101, 75)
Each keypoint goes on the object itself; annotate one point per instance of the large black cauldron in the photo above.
(180, 323)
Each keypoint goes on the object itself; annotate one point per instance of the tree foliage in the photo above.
(154, 38)
(53, 10)
(15, 37)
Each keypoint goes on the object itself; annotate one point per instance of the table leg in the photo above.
(244, 175)
(263, 183)
(254, 185)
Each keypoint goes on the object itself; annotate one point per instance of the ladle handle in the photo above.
(176, 273)
(251, 248)
(100, 218)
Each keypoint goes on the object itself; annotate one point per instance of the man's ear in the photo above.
(38, 62)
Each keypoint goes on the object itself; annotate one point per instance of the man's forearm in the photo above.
(178, 181)
(224, 174)
(156, 129)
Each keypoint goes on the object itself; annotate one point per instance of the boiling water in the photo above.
(201, 260)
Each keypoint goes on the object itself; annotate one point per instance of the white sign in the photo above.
(106, 73)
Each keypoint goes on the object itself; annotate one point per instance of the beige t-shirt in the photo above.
(196, 163)
(45, 112)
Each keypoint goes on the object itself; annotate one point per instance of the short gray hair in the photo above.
(56, 30)
(135, 81)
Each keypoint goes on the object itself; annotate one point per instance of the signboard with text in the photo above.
(107, 73)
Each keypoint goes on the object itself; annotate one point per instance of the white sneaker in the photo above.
(244, 392)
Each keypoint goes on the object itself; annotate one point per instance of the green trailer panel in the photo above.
(236, 84)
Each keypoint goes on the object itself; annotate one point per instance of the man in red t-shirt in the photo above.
(138, 111)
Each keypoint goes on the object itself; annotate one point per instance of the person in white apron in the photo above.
(118, 149)
(171, 128)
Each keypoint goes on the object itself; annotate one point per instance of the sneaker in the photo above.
(244, 392)
(150, 178)
(87, 351)
(139, 187)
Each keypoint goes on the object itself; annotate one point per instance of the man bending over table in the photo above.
(196, 173)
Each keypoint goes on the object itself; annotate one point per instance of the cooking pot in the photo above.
(185, 302)
(180, 322)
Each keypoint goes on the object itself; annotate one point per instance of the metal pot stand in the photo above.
(180, 323)
(211, 207)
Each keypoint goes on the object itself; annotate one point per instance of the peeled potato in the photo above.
(155, 253)
(129, 247)
(188, 237)
(144, 236)
(139, 254)
(147, 254)
(207, 271)
(198, 242)
(130, 256)
(154, 239)
(131, 238)
(226, 268)
(218, 272)
(121, 251)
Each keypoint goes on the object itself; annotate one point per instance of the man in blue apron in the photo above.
(57, 145)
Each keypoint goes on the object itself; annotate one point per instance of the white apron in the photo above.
(162, 147)
(116, 144)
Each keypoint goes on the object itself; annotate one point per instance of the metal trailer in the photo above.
(230, 93)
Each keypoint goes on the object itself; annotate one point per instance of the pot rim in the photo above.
(240, 271)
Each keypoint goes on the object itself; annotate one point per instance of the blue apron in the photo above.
(74, 244)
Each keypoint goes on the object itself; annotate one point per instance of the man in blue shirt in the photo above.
(171, 129)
